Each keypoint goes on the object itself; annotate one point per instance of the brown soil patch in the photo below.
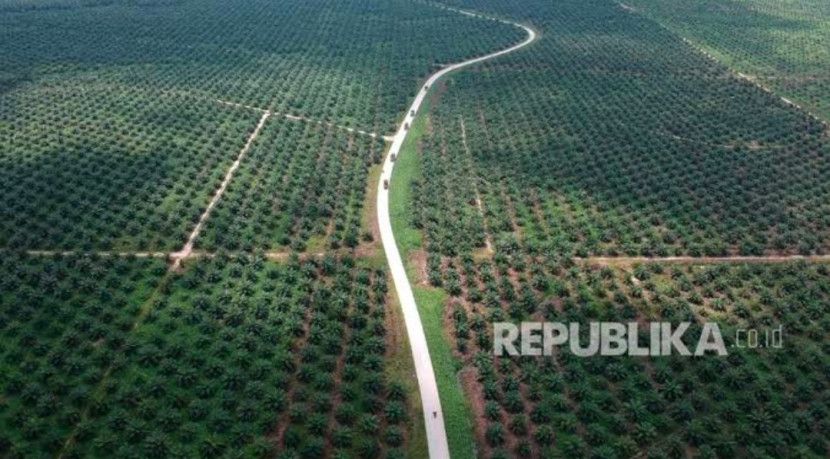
(438, 89)
(468, 378)
(419, 261)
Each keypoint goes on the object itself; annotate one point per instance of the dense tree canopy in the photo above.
(102, 357)
(301, 183)
(612, 136)
(94, 165)
(754, 402)
(782, 45)
(355, 63)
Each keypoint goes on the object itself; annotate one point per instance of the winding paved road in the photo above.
(433, 416)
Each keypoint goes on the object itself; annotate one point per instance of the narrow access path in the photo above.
(188, 247)
(479, 205)
(307, 120)
(238, 105)
(433, 416)
(730, 69)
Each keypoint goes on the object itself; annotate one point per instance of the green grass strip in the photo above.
(430, 301)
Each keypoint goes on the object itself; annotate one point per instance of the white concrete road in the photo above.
(433, 416)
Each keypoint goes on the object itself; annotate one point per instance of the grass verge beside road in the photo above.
(430, 301)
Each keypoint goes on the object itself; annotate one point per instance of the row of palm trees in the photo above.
(125, 169)
(300, 182)
(611, 406)
(621, 143)
(109, 356)
(297, 58)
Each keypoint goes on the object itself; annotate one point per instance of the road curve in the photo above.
(433, 416)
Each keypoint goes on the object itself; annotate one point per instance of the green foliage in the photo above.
(93, 165)
(65, 322)
(211, 367)
(299, 181)
(618, 139)
(780, 44)
(113, 134)
(353, 63)
(612, 136)
(616, 406)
